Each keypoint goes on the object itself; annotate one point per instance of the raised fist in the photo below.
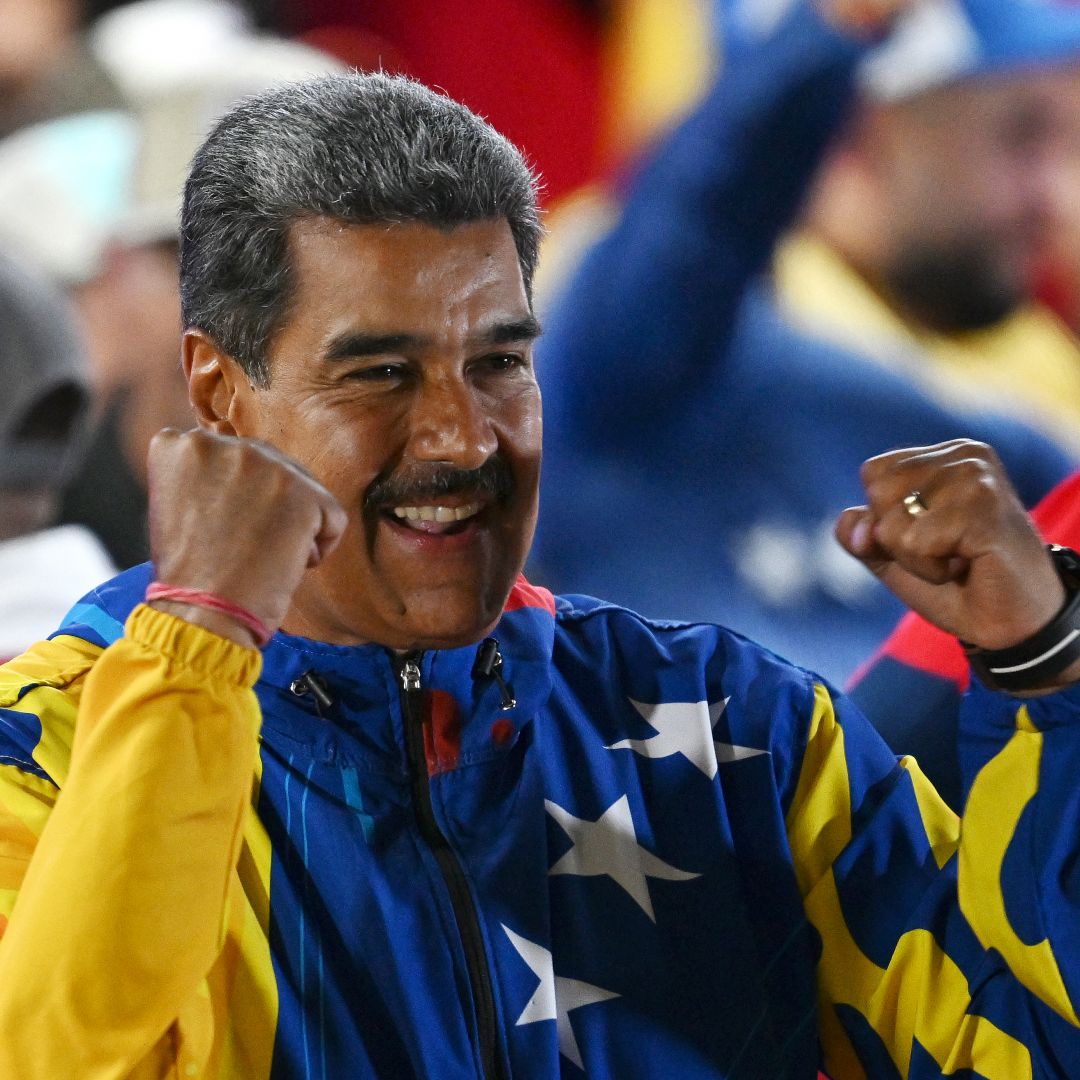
(238, 519)
(944, 530)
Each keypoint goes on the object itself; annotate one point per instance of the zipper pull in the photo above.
(488, 665)
(410, 676)
(313, 684)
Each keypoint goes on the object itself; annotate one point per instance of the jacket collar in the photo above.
(525, 635)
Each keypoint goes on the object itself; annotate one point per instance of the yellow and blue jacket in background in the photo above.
(698, 448)
(622, 849)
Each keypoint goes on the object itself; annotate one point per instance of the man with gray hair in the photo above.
(330, 790)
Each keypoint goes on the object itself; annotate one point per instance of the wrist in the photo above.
(214, 621)
(211, 611)
(1048, 659)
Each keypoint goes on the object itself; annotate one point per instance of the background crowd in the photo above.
(773, 251)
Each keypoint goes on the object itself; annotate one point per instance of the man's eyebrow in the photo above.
(501, 333)
(351, 344)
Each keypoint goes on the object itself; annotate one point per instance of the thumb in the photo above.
(854, 531)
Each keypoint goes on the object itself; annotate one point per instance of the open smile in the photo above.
(437, 520)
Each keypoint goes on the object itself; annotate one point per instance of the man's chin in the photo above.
(448, 618)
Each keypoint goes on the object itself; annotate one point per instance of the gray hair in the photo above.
(361, 148)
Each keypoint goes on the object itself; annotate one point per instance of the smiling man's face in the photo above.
(402, 379)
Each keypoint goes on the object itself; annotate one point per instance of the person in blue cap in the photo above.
(44, 428)
(698, 445)
(928, 229)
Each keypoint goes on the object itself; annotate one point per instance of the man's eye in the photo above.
(377, 373)
(503, 361)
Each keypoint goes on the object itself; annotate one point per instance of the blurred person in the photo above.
(94, 200)
(130, 313)
(147, 46)
(928, 229)
(46, 68)
(1059, 279)
(698, 447)
(283, 804)
(44, 418)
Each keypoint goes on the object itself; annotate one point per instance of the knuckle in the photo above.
(975, 448)
(972, 474)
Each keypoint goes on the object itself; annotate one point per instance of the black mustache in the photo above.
(428, 483)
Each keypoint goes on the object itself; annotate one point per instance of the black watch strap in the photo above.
(1034, 662)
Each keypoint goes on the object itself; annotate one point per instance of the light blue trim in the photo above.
(98, 620)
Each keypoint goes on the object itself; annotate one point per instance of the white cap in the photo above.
(71, 186)
(65, 186)
(175, 118)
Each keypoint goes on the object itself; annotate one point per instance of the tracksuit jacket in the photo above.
(601, 846)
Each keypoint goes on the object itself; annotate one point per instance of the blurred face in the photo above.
(34, 31)
(130, 314)
(976, 178)
(403, 380)
(25, 510)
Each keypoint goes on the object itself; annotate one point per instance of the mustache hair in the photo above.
(427, 483)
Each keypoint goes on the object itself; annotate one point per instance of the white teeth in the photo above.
(437, 513)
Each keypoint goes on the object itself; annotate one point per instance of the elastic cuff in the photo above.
(194, 647)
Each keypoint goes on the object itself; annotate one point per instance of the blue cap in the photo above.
(938, 42)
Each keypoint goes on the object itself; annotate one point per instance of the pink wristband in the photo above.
(158, 590)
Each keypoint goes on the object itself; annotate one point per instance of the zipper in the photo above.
(465, 915)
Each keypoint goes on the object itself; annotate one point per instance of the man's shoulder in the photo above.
(621, 672)
(40, 689)
(39, 700)
(99, 616)
(664, 656)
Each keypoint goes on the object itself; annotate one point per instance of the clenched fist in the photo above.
(944, 530)
(236, 518)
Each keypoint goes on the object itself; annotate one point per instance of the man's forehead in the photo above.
(1004, 92)
(314, 233)
(327, 256)
(354, 284)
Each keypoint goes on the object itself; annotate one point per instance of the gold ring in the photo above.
(914, 504)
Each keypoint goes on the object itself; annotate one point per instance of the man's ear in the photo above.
(220, 391)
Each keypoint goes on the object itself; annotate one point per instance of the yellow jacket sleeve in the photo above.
(911, 980)
(121, 877)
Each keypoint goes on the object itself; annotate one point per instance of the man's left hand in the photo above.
(945, 531)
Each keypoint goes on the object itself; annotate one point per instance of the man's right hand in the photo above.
(236, 518)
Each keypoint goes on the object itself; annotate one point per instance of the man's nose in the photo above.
(449, 423)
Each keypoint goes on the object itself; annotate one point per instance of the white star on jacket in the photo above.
(686, 727)
(609, 846)
(555, 998)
